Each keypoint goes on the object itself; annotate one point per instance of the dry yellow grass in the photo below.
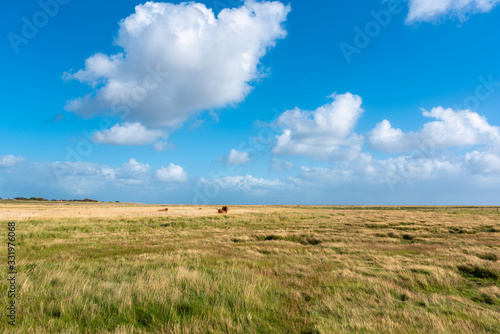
(127, 268)
(38, 210)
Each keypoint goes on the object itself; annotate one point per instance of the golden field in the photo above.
(129, 268)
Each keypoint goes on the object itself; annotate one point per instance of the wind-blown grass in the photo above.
(257, 270)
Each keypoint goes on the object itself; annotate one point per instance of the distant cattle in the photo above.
(224, 210)
(166, 209)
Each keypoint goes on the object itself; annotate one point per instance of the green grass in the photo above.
(275, 270)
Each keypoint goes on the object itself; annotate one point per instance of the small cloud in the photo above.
(431, 10)
(450, 128)
(133, 167)
(129, 134)
(319, 175)
(57, 118)
(280, 165)
(76, 178)
(160, 145)
(196, 124)
(214, 115)
(172, 174)
(10, 160)
(243, 183)
(484, 163)
(236, 158)
(134, 172)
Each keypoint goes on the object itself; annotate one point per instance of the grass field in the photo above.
(127, 268)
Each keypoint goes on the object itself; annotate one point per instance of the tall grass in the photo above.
(271, 270)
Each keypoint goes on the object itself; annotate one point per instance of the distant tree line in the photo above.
(41, 199)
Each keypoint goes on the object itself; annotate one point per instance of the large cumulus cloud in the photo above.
(178, 60)
(324, 133)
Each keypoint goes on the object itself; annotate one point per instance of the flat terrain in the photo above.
(129, 268)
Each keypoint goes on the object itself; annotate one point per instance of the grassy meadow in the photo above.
(128, 268)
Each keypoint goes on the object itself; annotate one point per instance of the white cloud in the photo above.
(97, 67)
(451, 129)
(131, 180)
(324, 133)
(280, 165)
(321, 175)
(172, 174)
(430, 10)
(364, 178)
(178, 60)
(242, 183)
(74, 178)
(368, 170)
(134, 172)
(407, 168)
(160, 145)
(483, 163)
(130, 134)
(473, 178)
(10, 160)
(236, 158)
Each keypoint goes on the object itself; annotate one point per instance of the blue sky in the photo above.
(302, 102)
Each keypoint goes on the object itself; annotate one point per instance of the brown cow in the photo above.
(224, 210)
